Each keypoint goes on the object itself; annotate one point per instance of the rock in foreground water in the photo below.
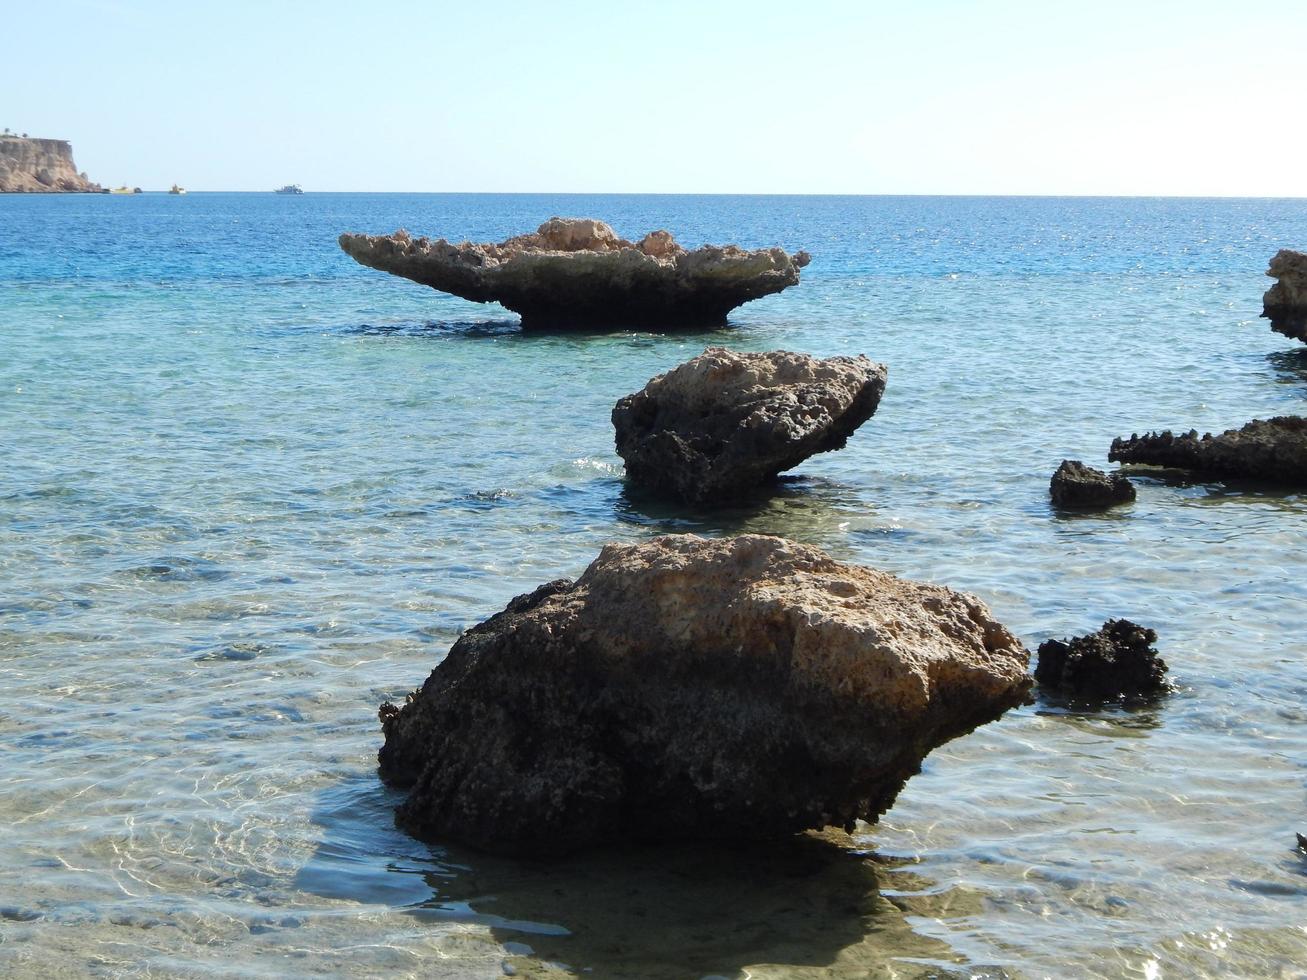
(726, 422)
(1285, 303)
(689, 688)
(575, 272)
(1274, 450)
(1077, 485)
(1116, 663)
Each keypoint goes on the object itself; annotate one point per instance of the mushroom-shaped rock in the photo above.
(725, 421)
(1273, 450)
(1116, 663)
(1076, 485)
(1285, 303)
(689, 688)
(576, 272)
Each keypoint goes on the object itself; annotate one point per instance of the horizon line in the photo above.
(886, 194)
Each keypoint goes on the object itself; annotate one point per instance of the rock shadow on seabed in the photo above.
(509, 327)
(813, 510)
(807, 906)
(1290, 366)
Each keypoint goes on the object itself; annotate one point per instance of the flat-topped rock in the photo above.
(1077, 486)
(1285, 303)
(726, 422)
(579, 272)
(1272, 450)
(689, 688)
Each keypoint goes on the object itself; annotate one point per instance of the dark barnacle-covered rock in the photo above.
(1271, 450)
(1076, 485)
(1114, 664)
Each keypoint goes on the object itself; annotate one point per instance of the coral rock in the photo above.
(1274, 450)
(1285, 303)
(688, 688)
(1118, 662)
(578, 272)
(1077, 485)
(725, 422)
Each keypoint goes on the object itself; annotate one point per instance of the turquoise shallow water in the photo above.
(251, 490)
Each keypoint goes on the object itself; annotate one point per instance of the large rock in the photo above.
(1117, 663)
(725, 422)
(578, 272)
(1274, 450)
(1076, 485)
(40, 166)
(1285, 303)
(690, 688)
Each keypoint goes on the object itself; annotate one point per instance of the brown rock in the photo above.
(1274, 450)
(690, 688)
(578, 272)
(726, 422)
(1285, 303)
(1077, 485)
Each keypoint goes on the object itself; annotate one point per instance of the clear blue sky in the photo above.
(1017, 97)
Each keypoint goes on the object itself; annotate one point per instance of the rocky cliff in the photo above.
(32, 166)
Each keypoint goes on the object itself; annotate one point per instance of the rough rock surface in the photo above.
(1274, 450)
(688, 688)
(1285, 303)
(725, 422)
(1077, 485)
(1116, 663)
(35, 166)
(578, 272)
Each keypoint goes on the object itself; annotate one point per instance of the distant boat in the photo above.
(289, 189)
(177, 189)
(125, 190)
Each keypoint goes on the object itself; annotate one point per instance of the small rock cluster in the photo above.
(749, 687)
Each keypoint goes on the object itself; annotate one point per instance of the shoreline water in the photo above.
(240, 513)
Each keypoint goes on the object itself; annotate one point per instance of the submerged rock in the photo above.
(577, 271)
(1274, 450)
(725, 422)
(690, 688)
(1285, 303)
(1116, 663)
(1077, 485)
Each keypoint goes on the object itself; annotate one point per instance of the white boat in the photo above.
(289, 189)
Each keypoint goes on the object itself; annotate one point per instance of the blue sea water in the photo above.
(251, 490)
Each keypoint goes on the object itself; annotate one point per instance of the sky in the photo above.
(1002, 97)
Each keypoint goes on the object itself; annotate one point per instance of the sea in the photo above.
(250, 490)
